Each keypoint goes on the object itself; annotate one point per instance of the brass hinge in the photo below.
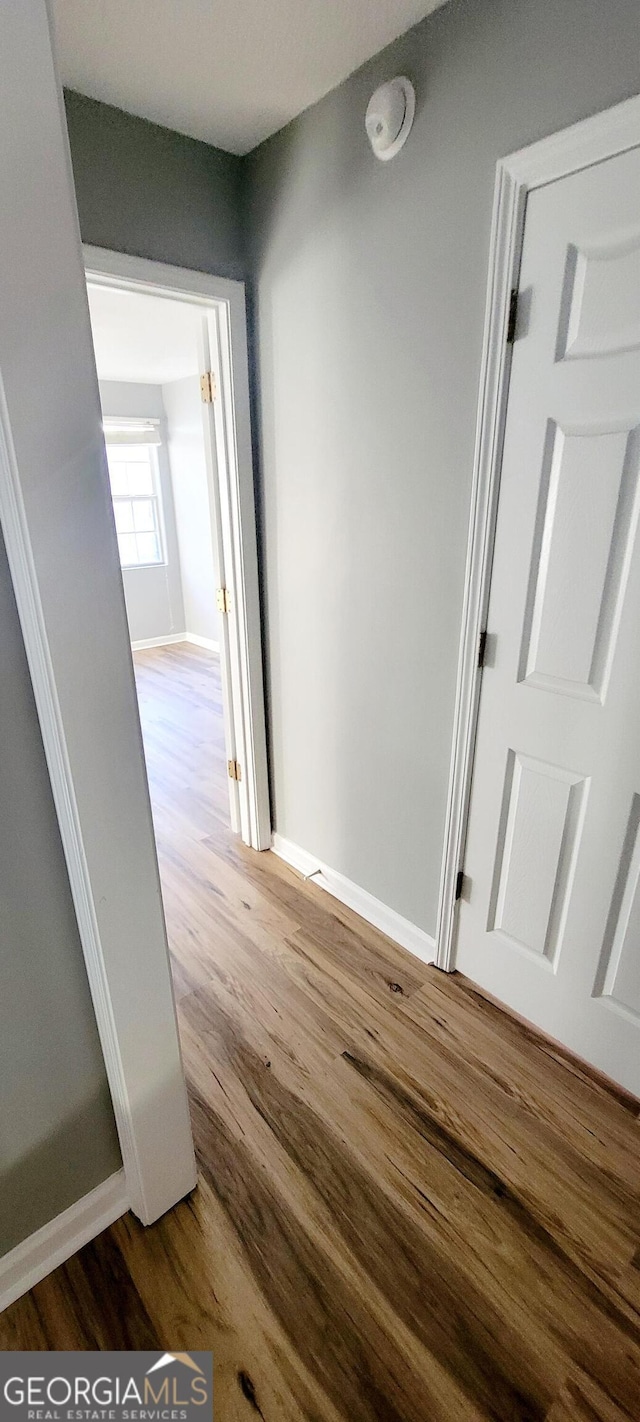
(512, 319)
(482, 648)
(235, 770)
(208, 388)
(223, 600)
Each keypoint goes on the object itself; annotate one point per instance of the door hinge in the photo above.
(208, 388)
(482, 647)
(512, 319)
(463, 886)
(223, 600)
(235, 770)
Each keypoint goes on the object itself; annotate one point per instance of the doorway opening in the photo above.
(172, 372)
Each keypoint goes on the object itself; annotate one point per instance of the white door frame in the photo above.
(592, 141)
(227, 430)
(57, 523)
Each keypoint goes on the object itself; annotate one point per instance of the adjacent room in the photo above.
(148, 371)
(320, 793)
(154, 420)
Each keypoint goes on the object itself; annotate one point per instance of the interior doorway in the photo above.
(171, 360)
(147, 360)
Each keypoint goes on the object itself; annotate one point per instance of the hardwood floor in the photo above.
(411, 1207)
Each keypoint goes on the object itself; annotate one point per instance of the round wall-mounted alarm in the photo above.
(389, 117)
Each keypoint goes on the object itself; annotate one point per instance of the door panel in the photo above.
(603, 298)
(586, 521)
(550, 920)
(621, 958)
(535, 853)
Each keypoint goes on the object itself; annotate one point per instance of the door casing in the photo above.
(57, 522)
(603, 136)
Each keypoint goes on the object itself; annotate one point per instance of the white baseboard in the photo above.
(167, 641)
(370, 909)
(205, 642)
(174, 637)
(43, 1251)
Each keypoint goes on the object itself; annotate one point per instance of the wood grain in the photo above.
(412, 1208)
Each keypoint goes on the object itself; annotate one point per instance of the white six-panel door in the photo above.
(550, 916)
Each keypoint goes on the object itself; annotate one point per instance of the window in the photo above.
(135, 490)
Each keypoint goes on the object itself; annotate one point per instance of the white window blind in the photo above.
(131, 431)
(135, 491)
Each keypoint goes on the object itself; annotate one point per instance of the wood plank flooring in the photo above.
(411, 1208)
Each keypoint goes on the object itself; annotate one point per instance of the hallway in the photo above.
(411, 1208)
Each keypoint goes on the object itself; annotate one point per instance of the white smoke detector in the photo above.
(389, 116)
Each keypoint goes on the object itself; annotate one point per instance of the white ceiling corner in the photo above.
(230, 72)
(138, 337)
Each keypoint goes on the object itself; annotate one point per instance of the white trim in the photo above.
(107, 268)
(592, 141)
(232, 707)
(42, 1252)
(379, 915)
(173, 638)
(13, 520)
(230, 453)
(230, 457)
(170, 640)
(132, 992)
(206, 642)
(505, 250)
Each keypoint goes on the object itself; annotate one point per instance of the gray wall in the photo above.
(153, 595)
(370, 285)
(148, 191)
(57, 1134)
